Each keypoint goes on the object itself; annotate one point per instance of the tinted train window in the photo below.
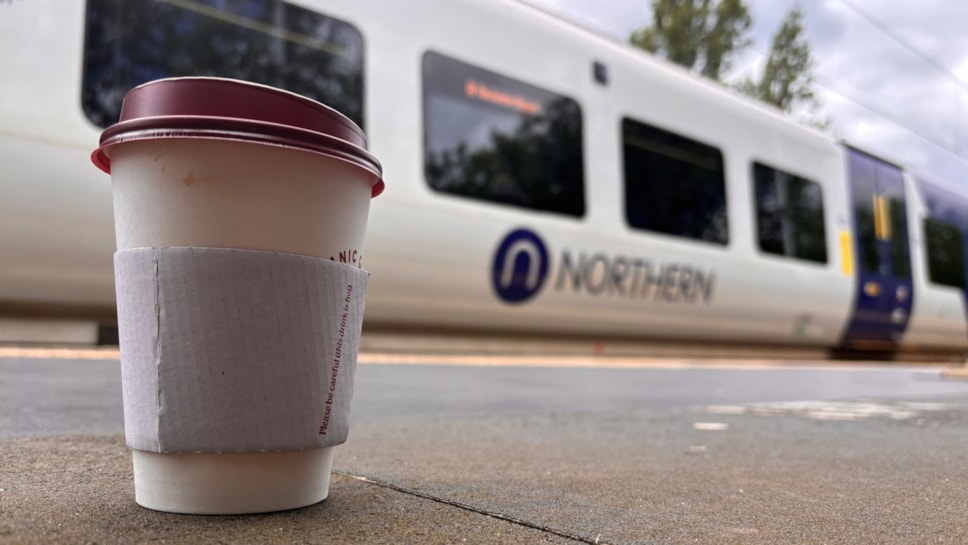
(789, 215)
(899, 242)
(496, 139)
(673, 185)
(129, 42)
(864, 196)
(946, 261)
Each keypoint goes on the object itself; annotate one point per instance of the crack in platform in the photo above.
(473, 509)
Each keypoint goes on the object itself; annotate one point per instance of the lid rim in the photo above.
(366, 161)
(249, 130)
(235, 110)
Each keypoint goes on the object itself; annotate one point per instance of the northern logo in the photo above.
(520, 266)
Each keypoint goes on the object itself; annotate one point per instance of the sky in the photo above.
(891, 75)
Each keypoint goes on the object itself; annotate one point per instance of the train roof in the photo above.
(933, 183)
(682, 75)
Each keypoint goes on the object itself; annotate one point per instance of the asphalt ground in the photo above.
(671, 452)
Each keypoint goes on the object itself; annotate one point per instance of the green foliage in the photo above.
(706, 35)
(787, 79)
(701, 35)
(732, 21)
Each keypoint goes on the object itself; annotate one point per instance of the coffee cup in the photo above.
(228, 197)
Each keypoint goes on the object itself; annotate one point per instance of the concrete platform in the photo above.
(861, 471)
(78, 490)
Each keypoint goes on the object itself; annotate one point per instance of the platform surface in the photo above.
(667, 452)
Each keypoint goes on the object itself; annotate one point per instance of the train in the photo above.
(542, 179)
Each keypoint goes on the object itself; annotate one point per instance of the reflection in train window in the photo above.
(492, 138)
(945, 253)
(129, 42)
(897, 219)
(673, 185)
(862, 177)
(789, 215)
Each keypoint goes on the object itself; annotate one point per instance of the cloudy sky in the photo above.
(892, 75)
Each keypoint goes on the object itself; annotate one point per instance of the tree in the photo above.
(702, 35)
(705, 36)
(787, 78)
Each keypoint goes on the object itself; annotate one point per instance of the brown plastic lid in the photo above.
(227, 109)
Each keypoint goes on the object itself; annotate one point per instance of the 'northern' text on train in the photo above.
(620, 276)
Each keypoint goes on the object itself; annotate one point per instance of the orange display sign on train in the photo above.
(478, 90)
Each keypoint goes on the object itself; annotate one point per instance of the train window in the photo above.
(496, 139)
(897, 232)
(861, 172)
(789, 215)
(673, 185)
(265, 41)
(945, 253)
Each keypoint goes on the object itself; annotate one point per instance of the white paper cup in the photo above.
(225, 194)
(207, 162)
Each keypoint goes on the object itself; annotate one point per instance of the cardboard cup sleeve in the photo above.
(256, 350)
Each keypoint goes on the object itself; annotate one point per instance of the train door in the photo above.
(885, 294)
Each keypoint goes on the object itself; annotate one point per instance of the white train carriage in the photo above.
(541, 179)
(938, 221)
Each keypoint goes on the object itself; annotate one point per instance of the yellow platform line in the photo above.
(470, 360)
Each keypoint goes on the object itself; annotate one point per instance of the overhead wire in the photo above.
(906, 45)
(897, 121)
(920, 55)
(885, 114)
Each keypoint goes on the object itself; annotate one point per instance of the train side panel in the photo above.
(56, 227)
(938, 319)
(446, 268)
(445, 261)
